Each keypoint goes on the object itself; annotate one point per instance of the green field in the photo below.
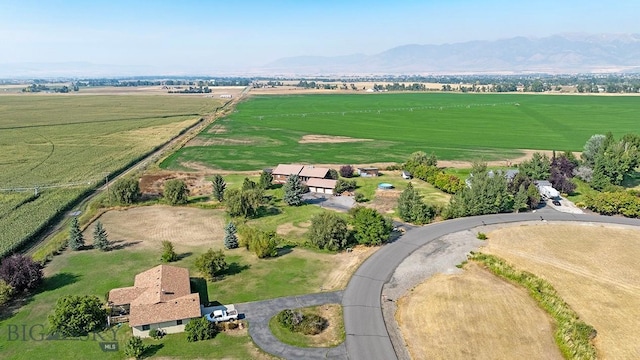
(265, 130)
(65, 145)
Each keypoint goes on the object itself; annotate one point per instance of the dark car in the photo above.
(556, 203)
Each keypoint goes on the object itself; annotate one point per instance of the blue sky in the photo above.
(210, 36)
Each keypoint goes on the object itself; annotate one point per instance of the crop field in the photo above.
(63, 145)
(361, 129)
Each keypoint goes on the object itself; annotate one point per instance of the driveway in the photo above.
(340, 203)
(258, 314)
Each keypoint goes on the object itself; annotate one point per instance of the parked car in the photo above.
(224, 313)
(556, 203)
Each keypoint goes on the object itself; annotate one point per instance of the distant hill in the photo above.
(568, 53)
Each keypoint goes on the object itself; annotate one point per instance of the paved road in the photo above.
(258, 314)
(367, 336)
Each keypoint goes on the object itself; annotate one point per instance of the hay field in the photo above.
(453, 126)
(71, 143)
(474, 315)
(594, 268)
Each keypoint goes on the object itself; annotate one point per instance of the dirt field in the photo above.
(152, 184)
(595, 269)
(195, 230)
(474, 315)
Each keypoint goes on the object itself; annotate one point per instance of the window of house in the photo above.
(146, 327)
(178, 322)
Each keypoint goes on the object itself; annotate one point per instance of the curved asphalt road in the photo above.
(367, 336)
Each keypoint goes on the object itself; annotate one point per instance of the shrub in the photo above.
(200, 329)
(76, 315)
(296, 321)
(481, 236)
(359, 197)
(125, 190)
(212, 263)
(21, 272)
(176, 192)
(333, 174)
(262, 243)
(134, 348)
(6, 292)
(245, 203)
(328, 231)
(168, 253)
(344, 185)
(346, 171)
(156, 334)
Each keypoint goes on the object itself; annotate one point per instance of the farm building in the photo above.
(367, 172)
(322, 186)
(160, 298)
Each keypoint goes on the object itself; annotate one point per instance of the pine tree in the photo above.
(293, 191)
(218, 187)
(230, 238)
(265, 180)
(100, 239)
(76, 240)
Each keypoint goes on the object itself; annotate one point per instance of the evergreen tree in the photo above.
(100, 239)
(247, 184)
(230, 237)
(76, 240)
(412, 209)
(521, 199)
(293, 190)
(219, 185)
(265, 180)
(168, 253)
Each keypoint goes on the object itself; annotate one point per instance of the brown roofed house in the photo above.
(311, 172)
(282, 172)
(160, 298)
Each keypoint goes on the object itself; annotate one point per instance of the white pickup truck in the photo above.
(223, 313)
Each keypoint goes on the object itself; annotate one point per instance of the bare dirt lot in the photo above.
(595, 269)
(152, 184)
(474, 315)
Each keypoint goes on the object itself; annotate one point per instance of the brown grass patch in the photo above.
(152, 184)
(474, 315)
(306, 139)
(146, 227)
(344, 265)
(594, 268)
(198, 141)
(333, 334)
(292, 230)
(217, 129)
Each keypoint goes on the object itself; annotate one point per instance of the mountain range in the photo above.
(567, 53)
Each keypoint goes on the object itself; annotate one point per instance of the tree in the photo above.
(100, 239)
(265, 180)
(200, 329)
(76, 315)
(230, 237)
(344, 185)
(6, 292)
(176, 192)
(261, 243)
(412, 209)
(247, 184)
(485, 195)
(293, 190)
(521, 199)
(369, 226)
(421, 158)
(538, 168)
(533, 196)
(592, 148)
(134, 348)
(613, 163)
(21, 272)
(328, 231)
(333, 174)
(346, 171)
(76, 239)
(219, 185)
(125, 190)
(168, 253)
(212, 263)
(245, 203)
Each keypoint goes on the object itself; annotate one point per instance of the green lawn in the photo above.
(368, 185)
(454, 126)
(337, 334)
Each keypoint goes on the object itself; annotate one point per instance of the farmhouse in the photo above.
(160, 298)
(316, 178)
(367, 171)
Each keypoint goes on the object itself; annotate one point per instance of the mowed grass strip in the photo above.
(454, 126)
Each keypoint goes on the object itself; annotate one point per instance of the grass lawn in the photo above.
(333, 335)
(368, 185)
(266, 130)
(580, 193)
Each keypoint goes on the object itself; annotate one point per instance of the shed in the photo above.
(368, 171)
